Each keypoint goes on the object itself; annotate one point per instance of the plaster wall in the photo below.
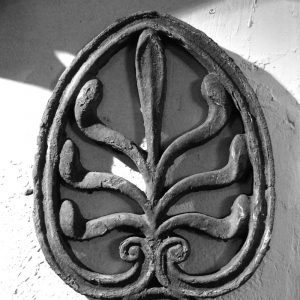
(39, 38)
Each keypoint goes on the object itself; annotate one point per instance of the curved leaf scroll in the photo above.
(219, 108)
(86, 117)
(153, 248)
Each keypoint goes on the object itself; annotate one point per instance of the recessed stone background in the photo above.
(39, 38)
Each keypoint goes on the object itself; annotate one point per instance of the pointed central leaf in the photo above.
(151, 76)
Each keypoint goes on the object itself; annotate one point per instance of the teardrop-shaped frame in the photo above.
(51, 139)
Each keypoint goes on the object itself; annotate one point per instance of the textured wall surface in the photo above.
(39, 38)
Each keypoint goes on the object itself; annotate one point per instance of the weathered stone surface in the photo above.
(153, 249)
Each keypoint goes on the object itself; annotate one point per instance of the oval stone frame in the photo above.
(159, 257)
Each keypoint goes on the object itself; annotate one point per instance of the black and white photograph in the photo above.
(149, 149)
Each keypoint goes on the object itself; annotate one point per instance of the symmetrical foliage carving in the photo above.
(154, 251)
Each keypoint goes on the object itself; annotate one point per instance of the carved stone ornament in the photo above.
(154, 251)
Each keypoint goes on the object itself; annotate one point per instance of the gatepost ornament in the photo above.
(154, 251)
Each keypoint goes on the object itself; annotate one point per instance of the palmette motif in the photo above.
(155, 252)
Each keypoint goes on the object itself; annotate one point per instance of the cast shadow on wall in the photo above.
(33, 32)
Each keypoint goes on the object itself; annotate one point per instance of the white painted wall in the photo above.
(37, 40)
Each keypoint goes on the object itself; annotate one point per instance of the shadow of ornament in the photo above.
(154, 251)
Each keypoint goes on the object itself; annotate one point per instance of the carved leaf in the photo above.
(162, 251)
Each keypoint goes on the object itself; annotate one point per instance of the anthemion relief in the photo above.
(154, 251)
